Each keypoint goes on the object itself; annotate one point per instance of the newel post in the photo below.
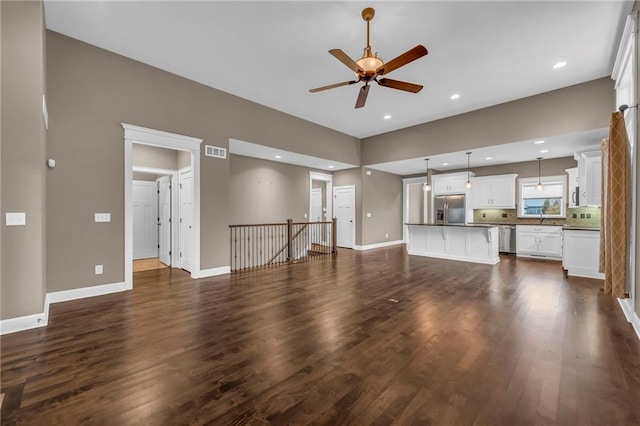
(289, 239)
(334, 236)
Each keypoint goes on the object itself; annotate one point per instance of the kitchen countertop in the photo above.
(468, 225)
(518, 223)
(579, 228)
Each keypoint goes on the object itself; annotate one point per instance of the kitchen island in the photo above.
(469, 243)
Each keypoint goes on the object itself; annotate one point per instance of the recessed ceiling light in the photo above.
(445, 164)
(542, 151)
(489, 158)
(455, 96)
(539, 142)
(278, 156)
(331, 167)
(559, 65)
(386, 117)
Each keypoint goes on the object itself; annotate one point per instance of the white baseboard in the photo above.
(630, 314)
(13, 325)
(378, 245)
(81, 293)
(205, 273)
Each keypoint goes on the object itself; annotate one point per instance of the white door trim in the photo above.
(355, 218)
(325, 177)
(144, 136)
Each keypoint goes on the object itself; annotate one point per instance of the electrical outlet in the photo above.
(386, 235)
(588, 215)
(504, 215)
(484, 215)
(305, 215)
(99, 269)
(575, 215)
(369, 215)
(581, 215)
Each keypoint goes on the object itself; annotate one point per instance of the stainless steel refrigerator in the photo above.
(450, 209)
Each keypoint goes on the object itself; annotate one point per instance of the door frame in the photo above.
(174, 201)
(142, 135)
(353, 229)
(328, 179)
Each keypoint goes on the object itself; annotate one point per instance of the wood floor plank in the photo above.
(376, 337)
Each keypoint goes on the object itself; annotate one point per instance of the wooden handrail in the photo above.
(275, 224)
(288, 243)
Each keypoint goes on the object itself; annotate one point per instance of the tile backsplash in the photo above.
(584, 216)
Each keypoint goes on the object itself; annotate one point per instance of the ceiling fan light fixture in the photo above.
(369, 63)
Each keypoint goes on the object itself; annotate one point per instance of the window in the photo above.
(546, 202)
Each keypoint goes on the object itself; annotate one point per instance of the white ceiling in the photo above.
(555, 147)
(273, 52)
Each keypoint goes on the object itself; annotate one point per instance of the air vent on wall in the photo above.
(214, 151)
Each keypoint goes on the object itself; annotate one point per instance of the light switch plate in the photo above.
(16, 219)
(369, 215)
(99, 270)
(103, 217)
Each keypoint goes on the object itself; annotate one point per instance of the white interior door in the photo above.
(145, 219)
(344, 211)
(185, 187)
(164, 219)
(316, 205)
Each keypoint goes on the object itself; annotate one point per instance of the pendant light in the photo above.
(427, 186)
(468, 171)
(539, 185)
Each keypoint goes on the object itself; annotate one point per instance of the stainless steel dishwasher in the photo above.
(507, 239)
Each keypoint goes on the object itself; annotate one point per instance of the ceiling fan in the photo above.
(369, 67)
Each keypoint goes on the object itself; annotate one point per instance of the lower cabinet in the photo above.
(581, 254)
(539, 241)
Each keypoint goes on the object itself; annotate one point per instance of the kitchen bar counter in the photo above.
(467, 225)
(469, 243)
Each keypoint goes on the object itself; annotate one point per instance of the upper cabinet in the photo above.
(493, 192)
(573, 187)
(450, 183)
(590, 178)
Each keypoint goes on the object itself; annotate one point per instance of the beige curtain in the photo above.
(613, 237)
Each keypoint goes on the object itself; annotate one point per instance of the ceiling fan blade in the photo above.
(400, 85)
(409, 56)
(362, 96)
(345, 59)
(332, 86)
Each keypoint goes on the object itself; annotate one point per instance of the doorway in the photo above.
(344, 212)
(139, 135)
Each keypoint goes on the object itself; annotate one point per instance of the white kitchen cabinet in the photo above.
(494, 192)
(590, 178)
(581, 253)
(450, 183)
(573, 187)
(539, 241)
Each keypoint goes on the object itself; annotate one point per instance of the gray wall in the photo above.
(581, 107)
(415, 203)
(262, 191)
(92, 91)
(382, 197)
(23, 157)
(149, 177)
(184, 159)
(152, 156)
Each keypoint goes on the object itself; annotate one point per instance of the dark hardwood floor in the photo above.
(372, 337)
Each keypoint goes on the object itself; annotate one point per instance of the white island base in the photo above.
(468, 243)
